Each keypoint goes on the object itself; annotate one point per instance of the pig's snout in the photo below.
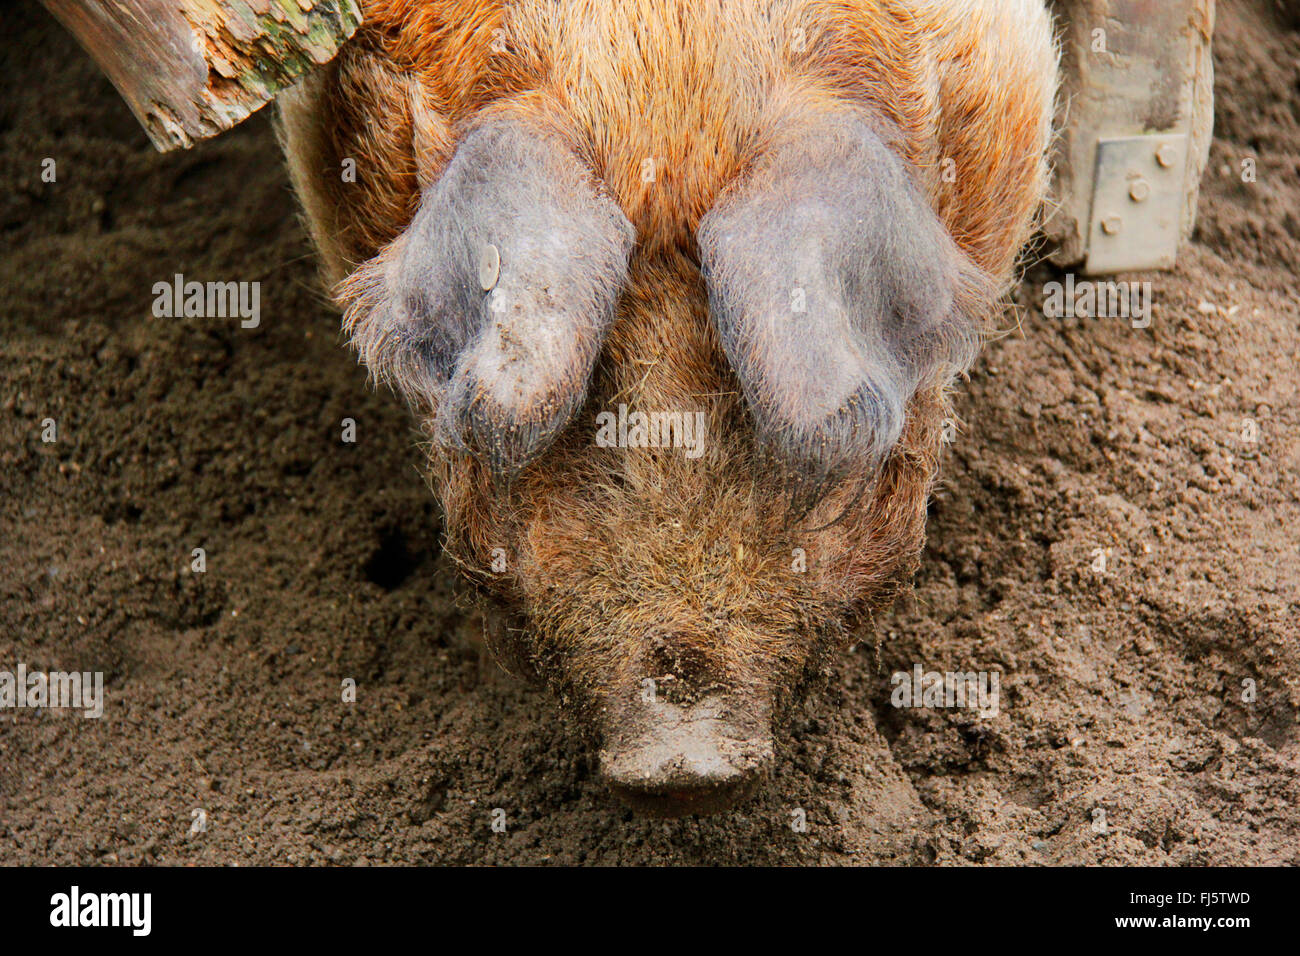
(668, 759)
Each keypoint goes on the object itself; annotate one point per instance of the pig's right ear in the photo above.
(837, 293)
(490, 309)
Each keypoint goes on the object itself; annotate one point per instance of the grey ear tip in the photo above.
(854, 439)
(505, 440)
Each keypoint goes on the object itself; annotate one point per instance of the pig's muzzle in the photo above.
(668, 759)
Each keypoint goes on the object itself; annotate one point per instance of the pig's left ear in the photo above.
(491, 307)
(837, 293)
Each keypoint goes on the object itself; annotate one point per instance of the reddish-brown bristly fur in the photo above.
(622, 563)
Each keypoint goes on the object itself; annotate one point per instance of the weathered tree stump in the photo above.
(190, 69)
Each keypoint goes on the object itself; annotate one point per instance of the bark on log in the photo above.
(190, 69)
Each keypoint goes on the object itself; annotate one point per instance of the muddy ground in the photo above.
(1122, 738)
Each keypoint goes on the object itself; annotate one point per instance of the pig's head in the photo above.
(680, 473)
(678, 301)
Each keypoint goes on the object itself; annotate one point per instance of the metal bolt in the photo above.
(1167, 155)
(489, 267)
(1139, 190)
(1111, 225)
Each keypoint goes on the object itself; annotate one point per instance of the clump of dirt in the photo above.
(1116, 537)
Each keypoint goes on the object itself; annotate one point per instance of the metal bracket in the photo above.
(1137, 203)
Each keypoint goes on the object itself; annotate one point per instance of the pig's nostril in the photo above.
(672, 761)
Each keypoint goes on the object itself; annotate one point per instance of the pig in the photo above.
(788, 223)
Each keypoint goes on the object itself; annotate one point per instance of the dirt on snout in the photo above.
(1116, 538)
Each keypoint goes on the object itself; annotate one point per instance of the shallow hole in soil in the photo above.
(393, 561)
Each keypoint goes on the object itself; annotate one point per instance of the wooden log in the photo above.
(190, 69)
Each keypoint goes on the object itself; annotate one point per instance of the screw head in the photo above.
(1167, 155)
(1112, 225)
(1139, 190)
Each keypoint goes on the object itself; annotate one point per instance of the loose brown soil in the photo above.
(1122, 691)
